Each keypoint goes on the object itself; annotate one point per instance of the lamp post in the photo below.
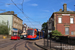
(51, 29)
(44, 35)
(47, 35)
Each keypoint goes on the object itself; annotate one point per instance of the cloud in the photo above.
(69, 9)
(46, 10)
(33, 4)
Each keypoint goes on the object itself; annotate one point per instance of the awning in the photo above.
(14, 30)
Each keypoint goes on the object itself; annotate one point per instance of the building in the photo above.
(15, 23)
(63, 21)
(24, 29)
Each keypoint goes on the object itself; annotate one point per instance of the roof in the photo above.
(10, 13)
(67, 12)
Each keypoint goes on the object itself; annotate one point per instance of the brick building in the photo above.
(63, 21)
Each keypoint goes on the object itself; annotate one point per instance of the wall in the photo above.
(65, 23)
(5, 18)
(17, 23)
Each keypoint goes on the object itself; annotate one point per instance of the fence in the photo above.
(60, 43)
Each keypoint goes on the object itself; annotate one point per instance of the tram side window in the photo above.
(40, 33)
(37, 33)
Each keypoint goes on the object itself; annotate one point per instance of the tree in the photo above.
(56, 33)
(44, 25)
(44, 28)
(4, 30)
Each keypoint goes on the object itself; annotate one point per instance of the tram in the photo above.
(34, 34)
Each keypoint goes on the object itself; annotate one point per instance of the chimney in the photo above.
(60, 10)
(65, 7)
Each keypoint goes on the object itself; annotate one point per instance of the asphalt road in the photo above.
(18, 45)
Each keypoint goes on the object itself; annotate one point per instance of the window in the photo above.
(67, 30)
(71, 32)
(59, 20)
(71, 20)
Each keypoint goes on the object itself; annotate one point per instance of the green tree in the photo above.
(4, 30)
(56, 33)
(44, 25)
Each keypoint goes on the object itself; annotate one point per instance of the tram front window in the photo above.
(30, 32)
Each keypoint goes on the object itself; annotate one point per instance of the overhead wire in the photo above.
(22, 4)
(23, 13)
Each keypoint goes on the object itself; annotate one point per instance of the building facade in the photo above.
(15, 23)
(24, 29)
(63, 21)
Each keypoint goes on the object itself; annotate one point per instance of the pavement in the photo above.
(40, 43)
(54, 45)
(4, 39)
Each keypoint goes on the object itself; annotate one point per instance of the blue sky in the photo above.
(38, 11)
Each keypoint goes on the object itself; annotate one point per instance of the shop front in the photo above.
(15, 31)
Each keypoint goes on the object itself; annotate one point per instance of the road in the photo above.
(18, 45)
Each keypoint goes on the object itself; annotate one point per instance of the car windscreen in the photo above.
(30, 32)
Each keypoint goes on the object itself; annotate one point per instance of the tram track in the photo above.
(5, 44)
(17, 44)
(26, 45)
(22, 42)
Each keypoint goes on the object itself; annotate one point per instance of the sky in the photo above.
(36, 11)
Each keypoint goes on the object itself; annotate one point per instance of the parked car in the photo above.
(15, 37)
(22, 36)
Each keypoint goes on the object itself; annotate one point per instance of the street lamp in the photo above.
(51, 29)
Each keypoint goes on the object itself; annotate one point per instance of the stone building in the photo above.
(15, 23)
(63, 21)
(24, 29)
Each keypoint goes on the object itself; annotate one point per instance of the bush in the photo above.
(56, 33)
